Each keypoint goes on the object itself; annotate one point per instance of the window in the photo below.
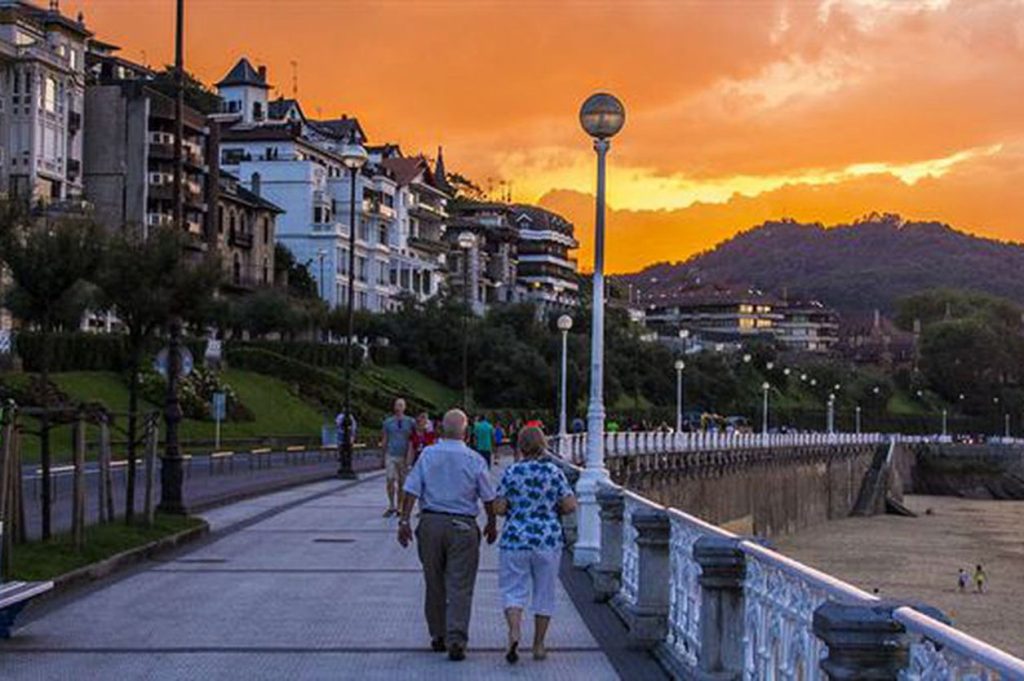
(266, 271)
(266, 230)
(50, 94)
(361, 268)
(342, 261)
(382, 235)
(220, 219)
(364, 301)
(257, 111)
(318, 214)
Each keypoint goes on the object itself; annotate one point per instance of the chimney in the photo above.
(256, 182)
(263, 74)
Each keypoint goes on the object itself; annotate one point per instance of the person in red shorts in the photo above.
(422, 436)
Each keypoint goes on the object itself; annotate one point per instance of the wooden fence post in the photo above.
(106, 490)
(78, 507)
(151, 447)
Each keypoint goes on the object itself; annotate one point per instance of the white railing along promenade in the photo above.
(779, 595)
(573, 446)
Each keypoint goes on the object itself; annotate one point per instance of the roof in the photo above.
(441, 176)
(712, 295)
(339, 128)
(408, 168)
(541, 218)
(260, 133)
(277, 108)
(47, 17)
(243, 73)
(240, 193)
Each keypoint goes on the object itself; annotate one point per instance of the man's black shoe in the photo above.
(438, 645)
(456, 652)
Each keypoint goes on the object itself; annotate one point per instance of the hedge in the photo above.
(308, 352)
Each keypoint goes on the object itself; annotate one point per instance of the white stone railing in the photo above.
(938, 651)
(778, 635)
(573, 447)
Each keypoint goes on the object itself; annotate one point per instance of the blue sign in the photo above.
(219, 406)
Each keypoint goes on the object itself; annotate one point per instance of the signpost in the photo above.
(219, 408)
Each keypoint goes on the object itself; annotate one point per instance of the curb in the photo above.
(101, 569)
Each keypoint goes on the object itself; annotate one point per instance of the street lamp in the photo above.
(466, 241)
(746, 358)
(602, 116)
(564, 325)
(831, 420)
(857, 423)
(945, 423)
(680, 365)
(354, 157)
(764, 409)
(769, 366)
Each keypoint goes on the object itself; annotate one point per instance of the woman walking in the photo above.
(532, 495)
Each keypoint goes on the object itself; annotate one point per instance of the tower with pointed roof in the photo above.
(244, 91)
(441, 176)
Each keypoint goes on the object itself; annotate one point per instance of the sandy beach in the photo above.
(918, 558)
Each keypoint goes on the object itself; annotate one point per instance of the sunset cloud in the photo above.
(737, 111)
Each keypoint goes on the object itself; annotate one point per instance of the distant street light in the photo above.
(353, 157)
(680, 365)
(746, 358)
(466, 241)
(765, 387)
(602, 116)
(945, 423)
(564, 325)
(831, 417)
(786, 371)
(769, 366)
(857, 419)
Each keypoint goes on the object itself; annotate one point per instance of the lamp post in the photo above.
(466, 241)
(1006, 426)
(601, 116)
(765, 387)
(354, 157)
(564, 325)
(856, 413)
(945, 423)
(831, 420)
(680, 365)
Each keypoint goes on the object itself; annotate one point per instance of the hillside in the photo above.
(855, 268)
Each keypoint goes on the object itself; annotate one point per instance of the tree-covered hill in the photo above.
(869, 264)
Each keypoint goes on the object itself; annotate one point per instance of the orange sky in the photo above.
(737, 111)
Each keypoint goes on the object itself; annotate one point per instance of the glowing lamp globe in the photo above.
(602, 115)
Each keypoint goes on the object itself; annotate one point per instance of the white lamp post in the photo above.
(564, 325)
(602, 116)
(680, 365)
(945, 423)
(857, 414)
(466, 241)
(831, 413)
(765, 387)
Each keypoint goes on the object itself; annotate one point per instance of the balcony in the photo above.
(428, 245)
(428, 211)
(74, 121)
(74, 168)
(378, 209)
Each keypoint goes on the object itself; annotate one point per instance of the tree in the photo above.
(197, 95)
(301, 283)
(146, 282)
(49, 262)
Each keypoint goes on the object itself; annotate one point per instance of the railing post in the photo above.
(570, 523)
(608, 571)
(864, 641)
(648, 617)
(723, 568)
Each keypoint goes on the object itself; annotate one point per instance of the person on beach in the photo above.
(979, 579)
(962, 580)
(450, 481)
(532, 495)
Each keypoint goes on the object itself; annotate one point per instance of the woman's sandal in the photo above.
(512, 656)
(540, 654)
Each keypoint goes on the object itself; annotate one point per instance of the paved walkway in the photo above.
(303, 584)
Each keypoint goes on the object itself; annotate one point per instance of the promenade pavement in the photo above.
(308, 583)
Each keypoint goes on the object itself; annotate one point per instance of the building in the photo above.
(717, 312)
(546, 272)
(491, 265)
(400, 208)
(808, 327)
(42, 78)
(244, 234)
(129, 154)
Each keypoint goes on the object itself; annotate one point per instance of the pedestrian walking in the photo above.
(395, 434)
(483, 438)
(422, 437)
(450, 481)
(532, 495)
(979, 579)
(962, 580)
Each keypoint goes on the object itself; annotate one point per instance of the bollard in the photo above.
(607, 573)
(648, 617)
(864, 641)
(723, 568)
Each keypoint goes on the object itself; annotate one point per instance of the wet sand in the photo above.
(918, 558)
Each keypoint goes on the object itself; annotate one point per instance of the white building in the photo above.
(295, 164)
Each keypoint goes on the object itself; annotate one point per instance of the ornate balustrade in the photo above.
(712, 604)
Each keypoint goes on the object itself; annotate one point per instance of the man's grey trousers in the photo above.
(449, 549)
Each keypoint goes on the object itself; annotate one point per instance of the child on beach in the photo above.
(979, 579)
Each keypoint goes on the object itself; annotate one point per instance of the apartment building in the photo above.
(490, 265)
(546, 271)
(244, 234)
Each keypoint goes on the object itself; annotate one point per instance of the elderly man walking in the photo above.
(450, 480)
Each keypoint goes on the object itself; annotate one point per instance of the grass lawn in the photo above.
(277, 411)
(417, 384)
(46, 560)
